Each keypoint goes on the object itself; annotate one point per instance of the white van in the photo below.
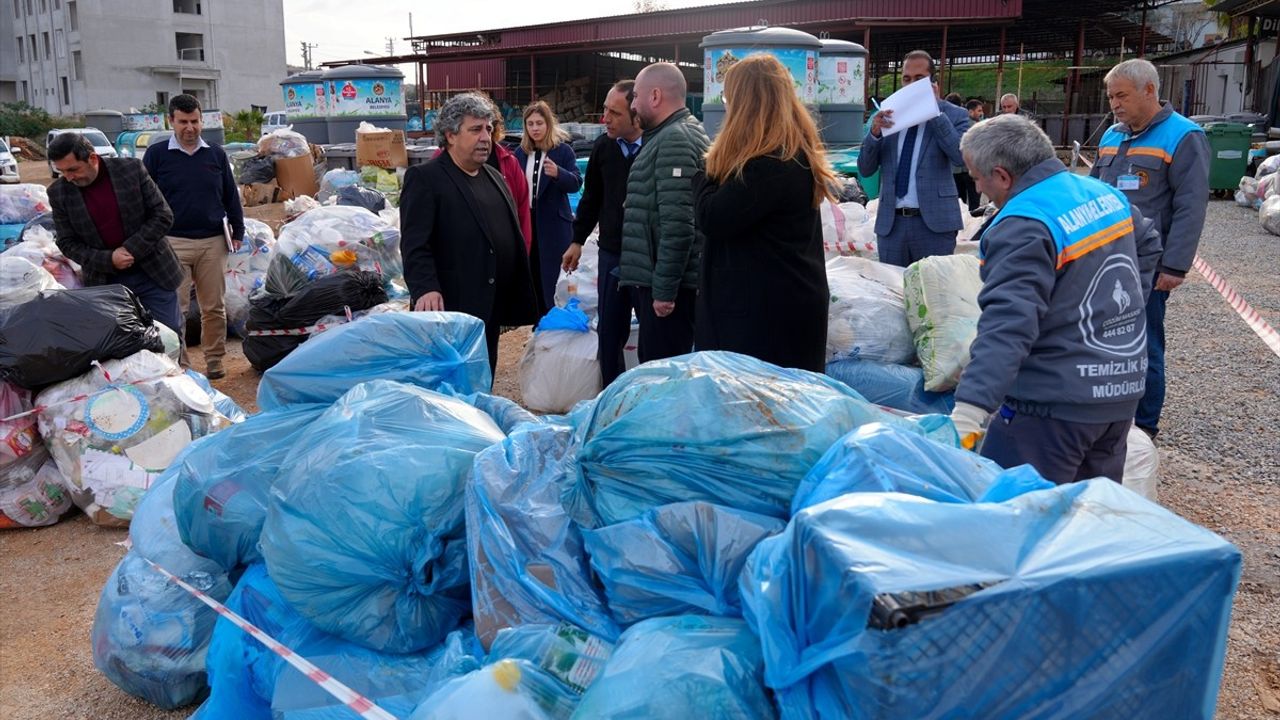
(101, 145)
(274, 120)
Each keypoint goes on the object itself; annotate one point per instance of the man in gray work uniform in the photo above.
(1160, 160)
(1060, 355)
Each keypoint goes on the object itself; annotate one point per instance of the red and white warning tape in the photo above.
(361, 705)
(1240, 305)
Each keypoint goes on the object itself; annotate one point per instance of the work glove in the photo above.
(971, 424)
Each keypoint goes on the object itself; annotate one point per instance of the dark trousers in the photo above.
(911, 240)
(968, 190)
(162, 304)
(668, 336)
(615, 317)
(492, 330)
(1059, 450)
(1152, 403)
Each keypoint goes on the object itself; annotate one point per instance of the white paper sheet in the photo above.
(913, 104)
(156, 452)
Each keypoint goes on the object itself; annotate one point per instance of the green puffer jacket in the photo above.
(660, 249)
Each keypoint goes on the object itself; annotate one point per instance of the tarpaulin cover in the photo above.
(427, 349)
(528, 564)
(150, 636)
(365, 529)
(895, 386)
(57, 335)
(678, 668)
(224, 484)
(714, 426)
(677, 559)
(249, 682)
(1080, 601)
(882, 458)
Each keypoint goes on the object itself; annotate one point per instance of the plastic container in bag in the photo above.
(677, 559)
(867, 319)
(681, 667)
(426, 349)
(528, 565)
(364, 534)
(715, 426)
(882, 458)
(113, 438)
(508, 689)
(332, 238)
(861, 614)
(150, 637)
(568, 653)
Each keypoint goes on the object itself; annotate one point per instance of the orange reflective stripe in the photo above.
(1152, 151)
(1108, 151)
(1109, 234)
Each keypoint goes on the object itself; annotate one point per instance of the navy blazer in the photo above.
(552, 218)
(935, 183)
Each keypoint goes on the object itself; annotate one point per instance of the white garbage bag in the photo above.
(581, 283)
(942, 310)
(39, 248)
(1268, 166)
(848, 229)
(1269, 213)
(1142, 465)
(21, 281)
(867, 318)
(560, 368)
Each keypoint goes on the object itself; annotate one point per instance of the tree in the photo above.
(648, 6)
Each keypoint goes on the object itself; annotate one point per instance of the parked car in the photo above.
(8, 164)
(274, 120)
(101, 145)
(134, 143)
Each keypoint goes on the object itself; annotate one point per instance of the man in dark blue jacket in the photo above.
(603, 195)
(1061, 351)
(197, 182)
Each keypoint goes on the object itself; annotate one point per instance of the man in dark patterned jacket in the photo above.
(112, 219)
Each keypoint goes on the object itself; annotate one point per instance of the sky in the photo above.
(340, 33)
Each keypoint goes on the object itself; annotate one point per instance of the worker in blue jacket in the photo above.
(1160, 161)
(1060, 359)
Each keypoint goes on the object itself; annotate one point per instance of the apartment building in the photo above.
(71, 56)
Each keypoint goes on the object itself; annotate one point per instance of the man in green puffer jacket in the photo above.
(661, 251)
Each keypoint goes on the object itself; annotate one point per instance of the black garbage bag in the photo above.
(357, 196)
(329, 295)
(851, 191)
(260, 169)
(58, 335)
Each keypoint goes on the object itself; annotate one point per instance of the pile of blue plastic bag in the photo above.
(711, 536)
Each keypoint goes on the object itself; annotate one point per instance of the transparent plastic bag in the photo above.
(848, 229)
(112, 439)
(334, 180)
(681, 667)
(427, 349)
(582, 283)
(864, 613)
(331, 238)
(33, 492)
(568, 653)
(284, 143)
(677, 559)
(528, 565)
(867, 319)
(39, 248)
(942, 310)
(1269, 213)
(22, 281)
(19, 204)
(364, 532)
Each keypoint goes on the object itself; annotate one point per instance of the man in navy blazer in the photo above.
(919, 211)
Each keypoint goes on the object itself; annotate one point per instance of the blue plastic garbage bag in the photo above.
(221, 401)
(570, 317)
(427, 349)
(677, 559)
(249, 682)
(896, 386)
(507, 689)
(681, 667)
(365, 532)
(1084, 600)
(528, 564)
(223, 484)
(567, 653)
(884, 458)
(715, 426)
(150, 637)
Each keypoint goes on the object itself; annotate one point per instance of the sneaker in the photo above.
(214, 371)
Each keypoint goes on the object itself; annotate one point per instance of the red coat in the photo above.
(519, 187)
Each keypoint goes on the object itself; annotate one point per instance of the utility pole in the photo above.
(306, 53)
(391, 47)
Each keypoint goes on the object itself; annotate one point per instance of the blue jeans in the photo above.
(162, 304)
(1148, 415)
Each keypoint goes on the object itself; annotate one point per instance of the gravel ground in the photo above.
(1220, 455)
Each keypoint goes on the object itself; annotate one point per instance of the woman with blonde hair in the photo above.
(551, 171)
(763, 286)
